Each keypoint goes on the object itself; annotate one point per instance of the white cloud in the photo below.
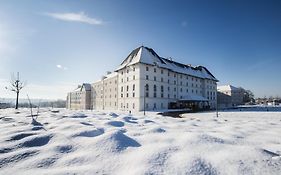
(75, 17)
(61, 67)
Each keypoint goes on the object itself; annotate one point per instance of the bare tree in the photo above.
(16, 85)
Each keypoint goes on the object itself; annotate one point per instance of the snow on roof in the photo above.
(111, 75)
(192, 97)
(227, 88)
(149, 56)
(87, 87)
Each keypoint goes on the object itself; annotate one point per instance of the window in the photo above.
(127, 105)
(175, 89)
(133, 105)
(155, 89)
(181, 89)
(147, 87)
(127, 78)
(162, 88)
(168, 95)
(122, 73)
(175, 82)
(147, 90)
(155, 70)
(187, 90)
(161, 71)
(134, 69)
(122, 80)
(133, 94)
(121, 95)
(175, 96)
(168, 81)
(154, 106)
(121, 88)
(186, 83)
(127, 94)
(161, 79)
(181, 83)
(147, 69)
(134, 77)
(180, 76)
(133, 87)
(168, 74)
(175, 75)
(146, 77)
(154, 78)
(127, 70)
(168, 88)
(127, 88)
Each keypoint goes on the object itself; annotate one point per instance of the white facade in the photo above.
(146, 81)
(229, 96)
(80, 98)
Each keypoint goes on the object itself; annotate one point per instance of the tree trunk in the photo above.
(17, 101)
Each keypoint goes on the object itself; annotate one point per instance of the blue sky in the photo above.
(56, 45)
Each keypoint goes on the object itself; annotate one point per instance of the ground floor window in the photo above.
(154, 106)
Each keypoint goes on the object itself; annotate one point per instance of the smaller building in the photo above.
(80, 98)
(229, 96)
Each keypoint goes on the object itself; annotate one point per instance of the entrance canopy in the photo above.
(193, 98)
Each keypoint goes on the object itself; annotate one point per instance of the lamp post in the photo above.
(144, 90)
(217, 112)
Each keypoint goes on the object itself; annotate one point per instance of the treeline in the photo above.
(53, 104)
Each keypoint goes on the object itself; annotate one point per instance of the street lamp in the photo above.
(144, 94)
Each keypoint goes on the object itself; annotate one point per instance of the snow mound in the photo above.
(91, 142)
(112, 114)
(116, 123)
(130, 119)
(16, 158)
(79, 115)
(20, 136)
(117, 141)
(37, 141)
(158, 130)
(201, 167)
(90, 133)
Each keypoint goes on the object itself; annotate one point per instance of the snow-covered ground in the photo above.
(91, 142)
